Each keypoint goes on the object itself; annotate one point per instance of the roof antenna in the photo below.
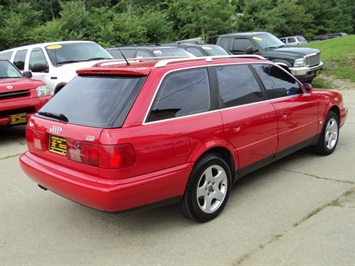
(123, 56)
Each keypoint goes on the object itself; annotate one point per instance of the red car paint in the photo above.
(19, 98)
(143, 162)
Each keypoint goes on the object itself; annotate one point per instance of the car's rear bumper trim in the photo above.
(111, 198)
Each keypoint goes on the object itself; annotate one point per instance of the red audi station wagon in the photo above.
(125, 135)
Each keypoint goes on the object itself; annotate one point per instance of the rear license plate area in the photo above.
(58, 145)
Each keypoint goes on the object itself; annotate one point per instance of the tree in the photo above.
(71, 25)
(16, 25)
(289, 18)
(158, 27)
(200, 18)
(255, 15)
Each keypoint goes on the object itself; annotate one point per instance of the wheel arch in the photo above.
(334, 109)
(58, 87)
(225, 154)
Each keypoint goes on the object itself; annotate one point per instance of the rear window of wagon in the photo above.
(96, 101)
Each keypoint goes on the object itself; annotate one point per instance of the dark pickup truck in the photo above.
(304, 63)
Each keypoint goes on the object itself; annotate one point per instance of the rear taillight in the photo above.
(104, 156)
(36, 139)
(117, 156)
(83, 152)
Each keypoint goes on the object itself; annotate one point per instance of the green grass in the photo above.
(338, 56)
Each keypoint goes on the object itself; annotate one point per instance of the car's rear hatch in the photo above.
(67, 130)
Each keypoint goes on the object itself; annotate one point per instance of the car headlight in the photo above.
(300, 62)
(43, 91)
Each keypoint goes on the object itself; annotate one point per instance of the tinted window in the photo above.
(97, 101)
(19, 60)
(194, 51)
(241, 45)
(128, 53)
(301, 39)
(237, 85)
(37, 57)
(182, 93)
(225, 42)
(277, 82)
(115, 53)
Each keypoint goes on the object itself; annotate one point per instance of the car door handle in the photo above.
(236, 128)
(284, 114)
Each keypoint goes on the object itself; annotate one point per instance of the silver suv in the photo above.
(293, 40)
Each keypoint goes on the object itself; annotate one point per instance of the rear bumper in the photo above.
(107, 195)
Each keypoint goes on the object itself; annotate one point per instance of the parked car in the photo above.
(183, 130)
(201, 49)
(303, 62)
(20, 96)
(329, 36)
(55, 63)
(136, 51)
(293, 40)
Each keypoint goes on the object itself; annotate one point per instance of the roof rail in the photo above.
(163, 63)
(134, 60)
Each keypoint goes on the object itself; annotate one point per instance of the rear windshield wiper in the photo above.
(60, 117)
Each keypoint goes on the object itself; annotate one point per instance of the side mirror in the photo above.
(39, 67)
(284, 66)
(27, 74)
(250, 50)
(308, 87)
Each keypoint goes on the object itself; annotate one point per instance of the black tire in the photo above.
(207, 190)
(329, 137)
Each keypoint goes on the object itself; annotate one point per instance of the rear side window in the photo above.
(237, 85)
(224, 42)
(182, 93)
(97, 101)
(277, 82)
(19, 60)
(115, 53)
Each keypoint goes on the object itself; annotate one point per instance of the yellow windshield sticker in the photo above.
(54, 46)
(256, 38)
(206, 48)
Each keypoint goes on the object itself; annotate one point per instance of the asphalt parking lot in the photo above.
(297, 211)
